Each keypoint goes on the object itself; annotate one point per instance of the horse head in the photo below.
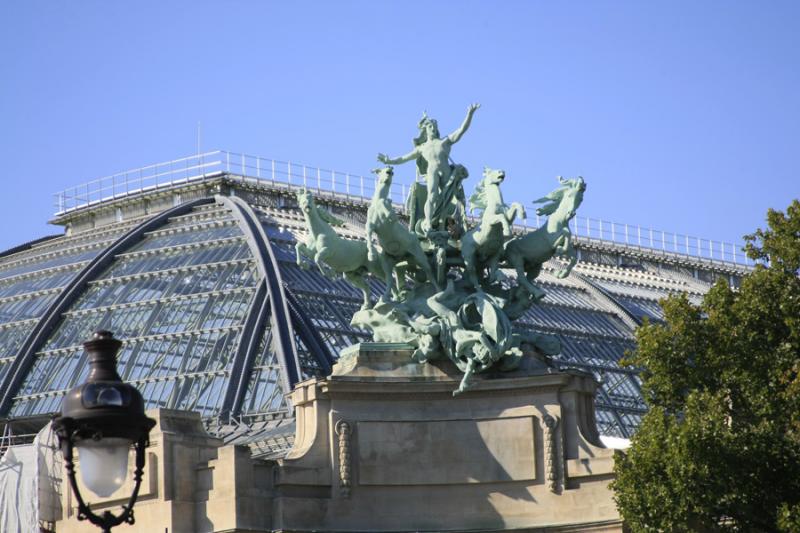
(565, 199)
(305, 201)
(479, 198)
(309, 208)
(384, 174)
(573, 197)
(493, 176)
(459, 173)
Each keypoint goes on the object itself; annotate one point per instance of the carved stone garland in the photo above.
(344, 431)
(551, 454)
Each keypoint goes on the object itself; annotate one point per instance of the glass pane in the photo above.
(179, 311)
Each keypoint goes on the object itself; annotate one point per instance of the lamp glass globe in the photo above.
(104, 464)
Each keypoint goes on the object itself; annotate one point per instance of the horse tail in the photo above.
(329, 218)
(478, 198)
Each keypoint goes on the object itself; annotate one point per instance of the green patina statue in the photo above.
(527, 254)
(432, 155)
(445, 292)
(482, 246)
(397, 243)
(333, 255)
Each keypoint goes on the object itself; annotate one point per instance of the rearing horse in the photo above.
(330, 252)
(396, 241)
(482, 246)
(528, 252)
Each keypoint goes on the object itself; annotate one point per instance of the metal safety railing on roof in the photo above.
(652, 239)
(331, 183)
(209, 165)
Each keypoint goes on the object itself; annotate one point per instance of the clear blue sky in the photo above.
(681, 115)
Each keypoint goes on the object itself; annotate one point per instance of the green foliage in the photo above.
(779, 243)
(789, 518)
(719, 449)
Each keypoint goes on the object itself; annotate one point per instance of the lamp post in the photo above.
(102, 418)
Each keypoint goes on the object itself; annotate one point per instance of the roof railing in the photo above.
(651, 239)
(209, 165)
(334, 184)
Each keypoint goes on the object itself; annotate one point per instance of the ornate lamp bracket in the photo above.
(66, 433)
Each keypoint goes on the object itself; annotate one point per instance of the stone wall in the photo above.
(382, 445)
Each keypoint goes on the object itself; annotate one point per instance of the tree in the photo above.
(719, 449)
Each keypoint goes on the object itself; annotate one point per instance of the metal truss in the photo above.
(78, 265)
(271, 303)
(24, 360)
(27, 246)
(262, 323)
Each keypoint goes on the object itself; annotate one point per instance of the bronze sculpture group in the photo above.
(444, 291)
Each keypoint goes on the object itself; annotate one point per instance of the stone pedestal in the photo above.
(382, 445)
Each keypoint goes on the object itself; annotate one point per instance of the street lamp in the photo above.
(102, 418)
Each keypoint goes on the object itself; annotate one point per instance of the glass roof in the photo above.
(183, 297)
(178, 299)
(31, 280)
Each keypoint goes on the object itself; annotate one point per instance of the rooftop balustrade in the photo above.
(333, 184)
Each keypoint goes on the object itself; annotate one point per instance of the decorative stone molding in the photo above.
(344, 431)
(551, 453)
(464, 463)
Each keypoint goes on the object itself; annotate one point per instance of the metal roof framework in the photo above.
(218, 317)
(198, 301)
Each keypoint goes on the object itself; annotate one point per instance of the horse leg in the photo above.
(468, 253)
(300, 251)
(573, 259)
(422, 260)
(399, 278)
(388, 274)
(359, 282)
(492, 266)
(535, 291)
(518, 262)
(326, 270)
(506, 226)
(516, 211)
(558, 244)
